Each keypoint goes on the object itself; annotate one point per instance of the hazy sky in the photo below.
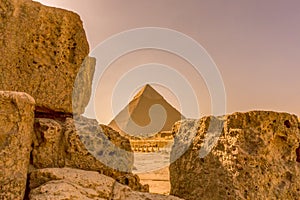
(254, 43)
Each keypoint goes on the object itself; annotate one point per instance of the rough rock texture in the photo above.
(97, 147)
(254, 157)
(102, 142)
(16, 130)
(83, 85)
(41, 50)
(84, 144)
(49, 146)
(67, 183)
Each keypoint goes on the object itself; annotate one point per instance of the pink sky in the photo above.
(255, 44)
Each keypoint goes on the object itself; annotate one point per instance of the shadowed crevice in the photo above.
(298, 154)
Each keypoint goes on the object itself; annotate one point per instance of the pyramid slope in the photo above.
(138, 111)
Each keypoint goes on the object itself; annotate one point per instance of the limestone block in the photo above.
(67, 183)
(84, 144)
(252, 156)
(41, 50)
(16, 130)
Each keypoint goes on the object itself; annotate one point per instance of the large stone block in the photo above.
(90, 147)
(16, 130)
(67, 183)
(249, 155)
(84, 144)
(42, 50)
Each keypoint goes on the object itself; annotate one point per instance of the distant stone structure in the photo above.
(134, 121)
(149, 145)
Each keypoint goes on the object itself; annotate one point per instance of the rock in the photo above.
(49, 145)
(67, 183)
(16, 130)
(252, 156)
(41, 50)
(95, 147)
(82, 87)
(84, 144)
(89, 148)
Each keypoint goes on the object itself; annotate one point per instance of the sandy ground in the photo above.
(158, 180)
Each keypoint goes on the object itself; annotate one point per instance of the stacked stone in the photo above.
(43, 57)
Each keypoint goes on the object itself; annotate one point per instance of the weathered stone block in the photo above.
(16, 130)
(84, 144)
(252, 156)
(67, 183)
(42, 50)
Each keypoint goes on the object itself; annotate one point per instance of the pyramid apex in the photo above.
(148, 91)
(147, 86)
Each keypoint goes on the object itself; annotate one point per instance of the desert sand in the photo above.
(158, 180)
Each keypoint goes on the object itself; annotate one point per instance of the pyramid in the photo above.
(135, 119)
